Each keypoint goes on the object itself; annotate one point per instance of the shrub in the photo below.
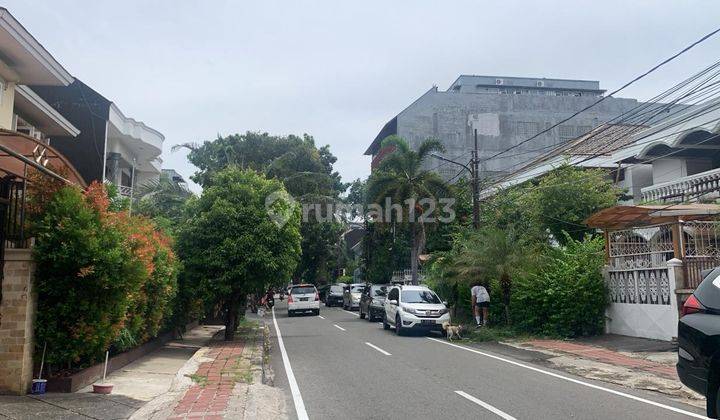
(103, 277)
(567, 295)
(85, 277)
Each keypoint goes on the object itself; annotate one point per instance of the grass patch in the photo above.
(198, 379)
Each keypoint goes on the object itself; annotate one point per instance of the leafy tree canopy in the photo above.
(229, 244)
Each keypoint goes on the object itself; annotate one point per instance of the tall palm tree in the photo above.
(401, 178)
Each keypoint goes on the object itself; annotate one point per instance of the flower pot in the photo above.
(102, 388)
(38, 386)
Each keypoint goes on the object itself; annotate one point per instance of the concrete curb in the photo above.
(161, 407)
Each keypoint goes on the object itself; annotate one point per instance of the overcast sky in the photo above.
(338, 70)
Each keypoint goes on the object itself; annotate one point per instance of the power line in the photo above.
(657, 66)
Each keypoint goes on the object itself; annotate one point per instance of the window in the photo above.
(583, 129)
(566, 132)
(378, 290)
(527, 129)
(336, 289)
(302, 290)
(419, 296)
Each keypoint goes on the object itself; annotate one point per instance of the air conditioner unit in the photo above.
(539, 83)
(498, 81)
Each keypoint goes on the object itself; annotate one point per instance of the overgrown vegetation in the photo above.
(104, 279)
(540, 263)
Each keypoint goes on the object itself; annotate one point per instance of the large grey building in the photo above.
(510, 110)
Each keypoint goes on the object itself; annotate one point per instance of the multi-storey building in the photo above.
(510, 110)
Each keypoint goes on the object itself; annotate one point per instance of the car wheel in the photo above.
(362, 314)
(386, 326)
(317, 311)
(398, 326)
(369, 315)
(290, 314)
(717, 402)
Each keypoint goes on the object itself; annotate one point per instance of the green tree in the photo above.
(231, 246)
(305, 170)
(565, 197)
(162, 200)
(401, 178)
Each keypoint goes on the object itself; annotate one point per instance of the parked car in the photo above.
(351, 296)
(371, 301)
(303, 298)
(334, 296)
(699, 342)
(418, 308)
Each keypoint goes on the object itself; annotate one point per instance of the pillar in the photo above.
(17, 312)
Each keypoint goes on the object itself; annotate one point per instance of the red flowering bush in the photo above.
(104, 278)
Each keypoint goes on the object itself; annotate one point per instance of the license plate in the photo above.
(304, 299)
(427, 322)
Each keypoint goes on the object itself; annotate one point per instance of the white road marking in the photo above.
(351, 313)
(294, 389)
(338, 327)
(487, 406)
(321, 317)
(575, 381)
(378, 349)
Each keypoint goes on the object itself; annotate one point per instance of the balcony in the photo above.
(688, 188)
(125, 191)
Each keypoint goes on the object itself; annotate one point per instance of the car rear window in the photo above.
(379, 290)
(303, 290)
(336, 289)
(357, 289)
(708, 293)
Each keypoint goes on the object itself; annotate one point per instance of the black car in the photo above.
(334, 295)
(699, 342)
(371, 301)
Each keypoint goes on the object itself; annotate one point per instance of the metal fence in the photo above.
(12, 213)
(701, 246)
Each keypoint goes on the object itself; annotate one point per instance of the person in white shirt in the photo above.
(480, 303)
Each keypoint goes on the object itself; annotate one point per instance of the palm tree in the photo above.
(401, 178)
(490, 253)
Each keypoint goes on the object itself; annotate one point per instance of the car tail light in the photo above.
(317, 296)
(692, 306)
(290, 300)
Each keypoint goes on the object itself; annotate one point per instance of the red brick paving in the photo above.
(209, 401)
(607, 356)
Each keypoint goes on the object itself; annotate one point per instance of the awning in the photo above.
(19, 146)
(623, 217)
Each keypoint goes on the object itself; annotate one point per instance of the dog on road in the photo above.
(452, 330)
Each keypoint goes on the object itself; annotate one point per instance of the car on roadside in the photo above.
(351, 296)
(372, 300)
(303, 298)
(414, 308)
(699, 342)
(334, 295)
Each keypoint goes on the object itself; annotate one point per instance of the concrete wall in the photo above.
(444, 116)
(17, 312)
(7, 105)
(635, 314)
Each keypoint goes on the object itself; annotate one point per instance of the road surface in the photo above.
(337, 366)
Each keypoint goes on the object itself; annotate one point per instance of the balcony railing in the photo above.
(125, 191)
(684, 189)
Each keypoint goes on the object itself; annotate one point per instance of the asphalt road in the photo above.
(337, 366)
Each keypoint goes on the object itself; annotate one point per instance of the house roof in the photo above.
(623, 217)
(31, 148)
(24, 59)
(43, 116)
(604, 140)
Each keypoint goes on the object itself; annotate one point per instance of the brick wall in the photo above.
(17, 312)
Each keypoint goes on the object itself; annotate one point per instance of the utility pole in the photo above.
(476, 182)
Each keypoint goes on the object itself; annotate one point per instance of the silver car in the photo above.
(352, 295)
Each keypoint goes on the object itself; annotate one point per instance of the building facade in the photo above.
(512, 109)
(111, 147)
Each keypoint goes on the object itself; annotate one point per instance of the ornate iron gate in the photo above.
(701, 246)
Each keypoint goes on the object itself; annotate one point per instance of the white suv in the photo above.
(414, 308)
(303, 298)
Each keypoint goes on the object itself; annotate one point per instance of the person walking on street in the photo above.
(481, 303)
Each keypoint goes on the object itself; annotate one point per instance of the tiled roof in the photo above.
(604, 140)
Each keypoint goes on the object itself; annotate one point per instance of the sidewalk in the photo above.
(629, 361)
(135, 384)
